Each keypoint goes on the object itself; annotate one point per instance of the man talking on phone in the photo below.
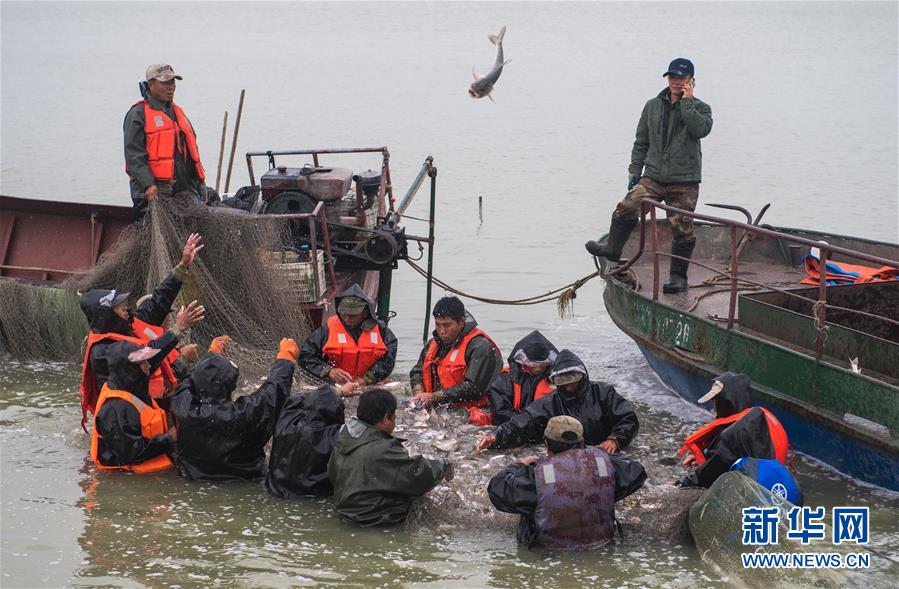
(666, 165)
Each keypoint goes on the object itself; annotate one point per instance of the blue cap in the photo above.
(680, 67)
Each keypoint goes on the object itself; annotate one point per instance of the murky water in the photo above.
(804, 96)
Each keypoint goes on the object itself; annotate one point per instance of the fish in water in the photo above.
(483, 86)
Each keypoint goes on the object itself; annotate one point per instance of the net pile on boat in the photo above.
(237, 277)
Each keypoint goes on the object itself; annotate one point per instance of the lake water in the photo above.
(804, 97)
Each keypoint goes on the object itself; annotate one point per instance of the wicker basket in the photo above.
(303, 285)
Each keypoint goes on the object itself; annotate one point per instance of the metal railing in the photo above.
(318, 211)
(385, 188)
(649, 206)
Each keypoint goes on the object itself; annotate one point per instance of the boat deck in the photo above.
(772, 267)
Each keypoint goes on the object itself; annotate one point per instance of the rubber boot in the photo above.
(677, 279)
(610, 247)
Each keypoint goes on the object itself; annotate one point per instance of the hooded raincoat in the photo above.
(220, 439)
(749, 436)
(514, 490)
(118, 422)
(482, 361)
(103, 319)
(602, 411)
(313, 361)
(305, 436)
(375, 479)
(502, 391)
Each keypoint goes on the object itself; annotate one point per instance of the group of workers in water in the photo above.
(157, 405)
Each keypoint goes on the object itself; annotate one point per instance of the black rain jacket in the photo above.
(747, 437)
(313, 361)
(514, 490)
(104, 320)
(305, 436)
(602, 411)
(118, 422)
(220, 439)
(502, 393)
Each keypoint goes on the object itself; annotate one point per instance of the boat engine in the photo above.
(297, 190)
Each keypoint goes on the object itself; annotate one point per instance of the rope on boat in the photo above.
(564, 294)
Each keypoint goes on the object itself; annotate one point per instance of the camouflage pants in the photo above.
(682, 196)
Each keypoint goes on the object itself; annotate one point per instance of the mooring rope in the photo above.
(564, 294)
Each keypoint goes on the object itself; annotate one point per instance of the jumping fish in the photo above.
(483, 86)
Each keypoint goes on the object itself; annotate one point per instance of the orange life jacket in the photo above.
(164, 141)
(342, 351)
(153, 423)
(451, 371)
(843, 273)
(161, 378)
(700, 439)
(543, 389)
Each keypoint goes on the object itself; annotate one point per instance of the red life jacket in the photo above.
(451, 371)
(164, 141)
(144, 332)
(700, 439)
(342, 351)
(153, 423)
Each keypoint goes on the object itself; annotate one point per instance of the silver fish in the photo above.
(446, 445)
(483, 86)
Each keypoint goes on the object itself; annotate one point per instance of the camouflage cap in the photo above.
(162, 72)
(565, 429)
(351, 305)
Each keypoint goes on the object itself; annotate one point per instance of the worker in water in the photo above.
(305, 436)
(110, 320)
(566, 500)
(187, 354)
(353, 346)
(458, 363)
(374, 478)
(526, 380)
(608, 419)
(131, 432)
(666, 165)
(739, 430)
(161, 153)
(220, 439)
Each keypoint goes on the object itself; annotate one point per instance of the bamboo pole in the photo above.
(218, 173)
(234, 140)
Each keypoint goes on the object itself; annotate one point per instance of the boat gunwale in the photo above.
(827, 418)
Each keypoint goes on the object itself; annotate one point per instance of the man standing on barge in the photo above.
(666, 165)
(161, 153)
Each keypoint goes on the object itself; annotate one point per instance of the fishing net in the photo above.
(717, 527)
(39, 322)
(248, 277)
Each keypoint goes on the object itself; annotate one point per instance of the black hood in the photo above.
(535, 345)
(214, 378)
(322, 406)
(355, 290)
(735, 395)
(568, 359)
(125, 375)
(102, 319)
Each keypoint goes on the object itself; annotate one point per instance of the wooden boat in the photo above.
(351, 218)
(795, 341)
